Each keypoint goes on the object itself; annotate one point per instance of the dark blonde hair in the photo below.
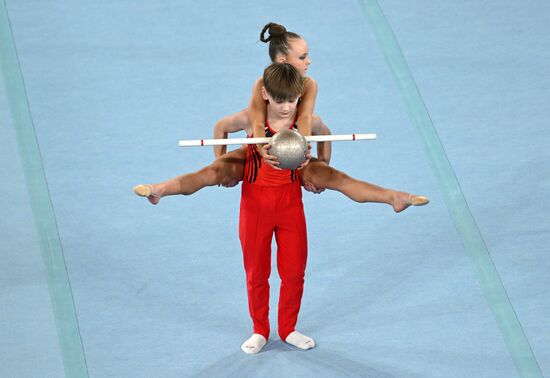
(283, 82)
(278, 39)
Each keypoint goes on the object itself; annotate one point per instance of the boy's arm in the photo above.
(230, 124)
(305, 110)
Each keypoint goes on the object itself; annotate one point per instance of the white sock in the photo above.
(254, 344)
(300, 341)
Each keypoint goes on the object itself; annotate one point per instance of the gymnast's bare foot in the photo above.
(147, 190)
(402, 200)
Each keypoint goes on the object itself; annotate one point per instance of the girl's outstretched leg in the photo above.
(226, 170)
(324, 176)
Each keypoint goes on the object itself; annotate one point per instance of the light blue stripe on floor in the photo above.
(463, 219)
(58, 281)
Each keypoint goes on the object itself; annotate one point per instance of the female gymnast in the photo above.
(228, 168)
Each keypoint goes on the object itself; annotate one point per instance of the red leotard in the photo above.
(271, 203)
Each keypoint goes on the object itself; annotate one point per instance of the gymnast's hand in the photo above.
(229, 184)
(269, 159)
(308, 185)
(308, 157)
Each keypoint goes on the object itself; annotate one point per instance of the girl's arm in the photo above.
(257, 110)
(230, 124)
(324, 149)
(305, 109)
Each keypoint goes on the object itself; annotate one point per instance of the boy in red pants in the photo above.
(271, 203)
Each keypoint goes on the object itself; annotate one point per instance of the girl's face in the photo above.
(298, 55)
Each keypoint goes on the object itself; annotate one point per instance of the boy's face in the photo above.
(280, 109)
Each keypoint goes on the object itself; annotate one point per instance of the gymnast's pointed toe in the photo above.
(418, 200)
(143, 190)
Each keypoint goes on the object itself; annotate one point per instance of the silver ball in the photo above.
(290, 148)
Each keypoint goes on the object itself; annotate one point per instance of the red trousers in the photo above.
(266, 210)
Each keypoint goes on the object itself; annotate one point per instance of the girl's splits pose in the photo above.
(228, 168)
(271, 201)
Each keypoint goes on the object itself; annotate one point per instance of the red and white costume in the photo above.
(271, 203)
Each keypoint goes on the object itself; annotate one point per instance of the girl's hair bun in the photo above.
(275, 31)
